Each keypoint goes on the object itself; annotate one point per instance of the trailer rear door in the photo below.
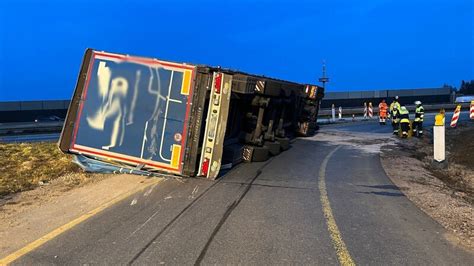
(131, 110)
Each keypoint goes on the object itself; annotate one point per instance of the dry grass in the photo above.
(27, 165)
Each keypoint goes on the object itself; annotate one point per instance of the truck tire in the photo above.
(273, 147)
(284, 143)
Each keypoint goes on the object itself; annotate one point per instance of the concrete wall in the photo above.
(28, 111)
(357, 98)
(34, 105)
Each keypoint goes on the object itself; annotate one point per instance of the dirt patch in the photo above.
(446, 194)
(368, 142)
(25, 166)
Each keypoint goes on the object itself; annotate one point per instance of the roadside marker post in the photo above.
(333, 113)
(371, 110)
(439, 150)
(340, 112)
(471, 110)
(365, 110)
(455, 118)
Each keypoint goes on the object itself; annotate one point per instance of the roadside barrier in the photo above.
(455, 118)
(371, 110)
(471, 110)
(340, 112)
(365, 110)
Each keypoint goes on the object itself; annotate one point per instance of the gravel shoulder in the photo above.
(444, 193)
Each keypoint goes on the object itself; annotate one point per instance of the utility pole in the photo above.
(324, 79)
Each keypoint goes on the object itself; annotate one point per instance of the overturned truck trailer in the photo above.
(147, 115)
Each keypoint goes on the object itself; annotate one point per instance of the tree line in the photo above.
(467, 87)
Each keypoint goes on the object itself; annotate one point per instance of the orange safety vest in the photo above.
(383, 109)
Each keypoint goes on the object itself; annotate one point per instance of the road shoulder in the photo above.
(444, 204)
(30, 215)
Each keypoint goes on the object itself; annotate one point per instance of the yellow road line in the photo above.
(56, 232)
(341, 249)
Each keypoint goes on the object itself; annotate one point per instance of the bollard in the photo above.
(439, 150)
(455, 118)
(471, 110)
(439, 153)
(365, 110)
(340, 112)
(371, 110)
(333, 112)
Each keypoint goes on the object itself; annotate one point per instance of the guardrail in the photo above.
(24, 128)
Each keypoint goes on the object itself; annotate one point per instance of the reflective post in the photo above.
(439, 149)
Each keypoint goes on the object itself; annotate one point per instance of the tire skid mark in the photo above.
(170, 223)
(227, 213)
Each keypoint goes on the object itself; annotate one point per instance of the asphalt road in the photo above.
(265, 213)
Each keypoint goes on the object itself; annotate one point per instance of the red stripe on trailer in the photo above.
(122, 158)
(147, 61)
(83, 97)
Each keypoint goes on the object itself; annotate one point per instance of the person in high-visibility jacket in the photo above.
(404, 121)
(418, 123)
(394, 112)
(382, 112)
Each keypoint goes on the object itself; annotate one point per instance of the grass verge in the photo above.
(25, 166)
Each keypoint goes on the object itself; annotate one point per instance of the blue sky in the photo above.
(367, 44)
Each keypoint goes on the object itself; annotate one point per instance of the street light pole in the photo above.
(324, 79)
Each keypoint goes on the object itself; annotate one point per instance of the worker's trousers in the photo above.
(395, 126)
(418, 128)
(405, 127)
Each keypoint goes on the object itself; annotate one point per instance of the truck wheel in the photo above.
(273, 147)
(284, 143)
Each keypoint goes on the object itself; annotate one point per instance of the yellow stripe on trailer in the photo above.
(186, 82)
(175, 154)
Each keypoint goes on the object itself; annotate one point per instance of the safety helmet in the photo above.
(417, 102)
(396, 97)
